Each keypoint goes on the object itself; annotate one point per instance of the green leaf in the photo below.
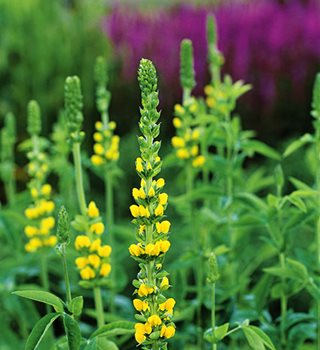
(100, 343)
(76, 306)
(295, 145)
(298, 268)
(39, 331)
(72, 331)
(298, 202)
(257, 339)
(254, 146)
(42, 297)
(114, 328)
(221, 331)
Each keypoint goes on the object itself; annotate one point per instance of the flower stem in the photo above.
(283, 304)
(108, 183)
(213, 313)
(99, 306)
(44, 276)
(66, 275)
(79, 177)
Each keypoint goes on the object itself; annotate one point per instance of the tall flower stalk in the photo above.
(7, 168)
(93, 261)
(106, 150)
(155, 311)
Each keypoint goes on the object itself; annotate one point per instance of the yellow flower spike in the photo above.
(177, 123)
(134, 250)
(81, 262)
(183, 153)
(177, 142)
(160, 182)
(87, 273)
(164, 282)
(194, 150)
(144, 290)
(95, 245)
(97, 228)
(151, 192)
(134, 209)
(140, 305)
(105, 251)
(97, 137)
(30, 231)
(154, 320)
(179, 109)
(199, 161)
(82, 241)
(46, 190)
(96, 160)
(163, 198)
(208, 90)
(159, 210)
(94, 260)
(105, 269)
(98, 125)
(92, 210)
(169, 332)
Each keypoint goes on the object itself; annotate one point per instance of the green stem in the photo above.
(213, 313)
(317, 154)
(44, 276)
(66, 275)
(109, 224)
(99, 306)
(283, 304)
(79, 178)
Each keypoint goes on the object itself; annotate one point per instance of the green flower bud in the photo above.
(63, 229)
(147, 78)
(103, 96)
(73, 103)
(100, 71)
(213, 271)
(316, 98)
(34, 118)
(211, 31)
(187, 74)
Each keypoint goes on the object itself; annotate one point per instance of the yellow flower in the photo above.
(134, 209)
(30, 231)
(208, 90)
(159, 210)
(144, 290)
(112, 125)
(194, 150)
(160, 182)
(98, 125)
(95, 245)
(140, 333)
(82, 241)
(182, 153)
(97, 137)
(163, 198)
(177, 123)
(151, 192)
(81, 262)
(168, 305)
(47, 224)
(144, 211)
(33, 245)
(94, 260)
(177, 142)
(51, 241)
(154, 321)
(135, 250)
(194, 107)
(198, 162)
(195, 134)
(163, 330)
(140, 305)
(142, 194)
(34, 192)
(96, 160)
(139, 166)
(141, 228)
(92, 210)
(104, 251)
(164, 246)
(30, 213)
(87, 273)
(211, 102)
(164, 283)
(152, 249)
(48, 206)
(135, 193)
(169, 332)
(105, 269)
(97, 228)
(46, 190)
(179, 109)
(163, 227)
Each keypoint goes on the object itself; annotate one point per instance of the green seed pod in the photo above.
(147, 78)
(100, 71)
(63, 229)
(73, 103)
(213, 272)
(316, 98)
(187, 74)
(34, 118)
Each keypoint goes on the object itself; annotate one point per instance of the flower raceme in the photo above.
(152, 228)
(94, 260)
